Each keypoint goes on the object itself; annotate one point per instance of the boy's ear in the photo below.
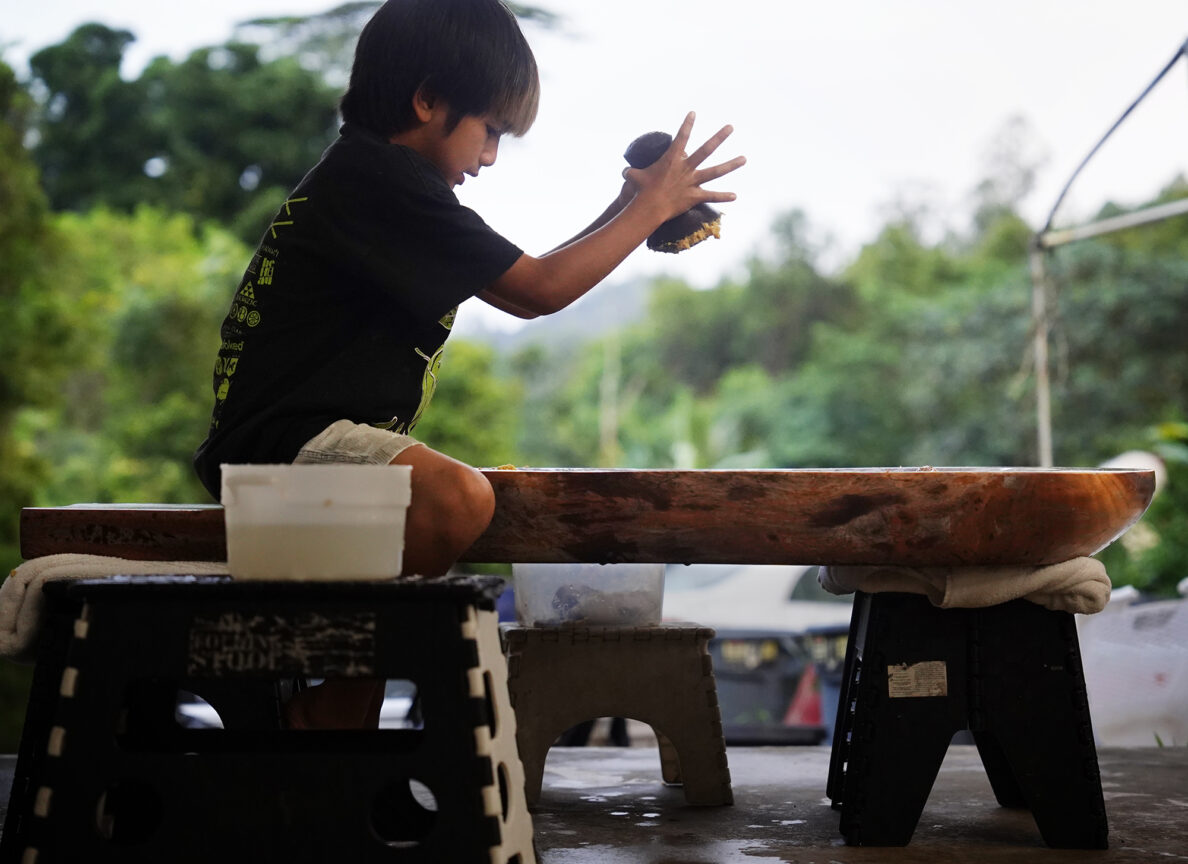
(424, 104)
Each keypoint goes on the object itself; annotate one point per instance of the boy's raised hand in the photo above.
(540, 285)
(673, 183)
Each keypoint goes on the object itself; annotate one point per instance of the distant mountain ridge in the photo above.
(609, 307)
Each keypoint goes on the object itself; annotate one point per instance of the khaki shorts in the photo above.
(358, 443)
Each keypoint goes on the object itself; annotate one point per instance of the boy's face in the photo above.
(471, 145)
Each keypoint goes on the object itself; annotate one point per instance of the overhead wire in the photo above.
(1182, 51)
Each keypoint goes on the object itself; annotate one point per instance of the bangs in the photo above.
(516, 103)
(499, 57)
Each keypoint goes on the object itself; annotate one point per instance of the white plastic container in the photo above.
(549, 595)
(315, 522)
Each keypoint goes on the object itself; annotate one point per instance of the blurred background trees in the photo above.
(221, 136)
(128, 209)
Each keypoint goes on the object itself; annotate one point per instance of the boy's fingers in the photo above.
(703, 152)
(715, 171)
(682, 136)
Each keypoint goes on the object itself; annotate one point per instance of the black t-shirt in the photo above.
(345, 307)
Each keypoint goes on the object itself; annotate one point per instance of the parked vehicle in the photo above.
(1135, 655)
(778, 649)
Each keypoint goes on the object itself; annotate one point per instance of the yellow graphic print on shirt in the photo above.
(428, 380)
(278, 222)
(245, 314)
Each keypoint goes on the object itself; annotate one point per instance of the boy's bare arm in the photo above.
(541, 285)
(612, 210)
(615, 208)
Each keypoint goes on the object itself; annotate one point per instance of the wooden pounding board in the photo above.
(142, 532)
(907, 516)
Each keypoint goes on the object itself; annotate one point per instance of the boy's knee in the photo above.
(452, 504)
(480, 496)
(472, 504)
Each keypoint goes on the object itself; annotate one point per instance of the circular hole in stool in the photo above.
(403, 813)
(504, 786)
(128, 812)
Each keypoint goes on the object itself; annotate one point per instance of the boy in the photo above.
(331, 348)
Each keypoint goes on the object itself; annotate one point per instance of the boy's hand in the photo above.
(673, 183)
(668, 187)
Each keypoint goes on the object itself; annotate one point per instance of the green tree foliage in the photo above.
(1120, 357)
(222, 135)
(146, 292)
(668, 377)
(475, 412)
(33, 326)
(931, 370)
(237, 133)
(1152, 555)
(94, 133)
(32, 335)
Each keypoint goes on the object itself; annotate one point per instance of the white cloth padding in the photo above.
(1079, 585)
(21, 600)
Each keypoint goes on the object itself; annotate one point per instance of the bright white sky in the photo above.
(841, 108)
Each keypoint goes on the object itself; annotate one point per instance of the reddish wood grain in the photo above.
(140, 532)
(845, 516)
(916, 517)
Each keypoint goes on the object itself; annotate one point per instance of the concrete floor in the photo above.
(607, 805)
(601, 806)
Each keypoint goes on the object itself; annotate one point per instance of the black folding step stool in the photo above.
(106, 773)
(916, 674)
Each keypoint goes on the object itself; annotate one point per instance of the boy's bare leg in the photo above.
(452, 505)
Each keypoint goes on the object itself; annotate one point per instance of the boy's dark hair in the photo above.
(470, 53)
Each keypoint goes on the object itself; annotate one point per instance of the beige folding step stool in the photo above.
(661, 675)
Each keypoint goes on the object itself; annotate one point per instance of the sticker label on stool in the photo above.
(929, 678)
(309, 643)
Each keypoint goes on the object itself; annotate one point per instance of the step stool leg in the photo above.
(530, 694)
(843, 726)
(701, 765)
(693, 726)
(670, 762)
(909, 701)
(998, 770)
(499, 740)
(532, 755)
(57, 625)
(1034, 711)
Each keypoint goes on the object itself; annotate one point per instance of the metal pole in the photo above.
(1043, 393)
(1039, 300)
(1052, 239)
(1047, 238)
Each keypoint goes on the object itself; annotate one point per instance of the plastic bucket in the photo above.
(549, 595)
(315, 522)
